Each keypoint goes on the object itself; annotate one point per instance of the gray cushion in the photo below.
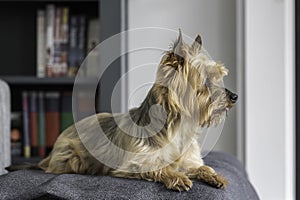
(28, 184)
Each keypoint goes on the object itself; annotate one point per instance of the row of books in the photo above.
(44, 116)
(63, 41)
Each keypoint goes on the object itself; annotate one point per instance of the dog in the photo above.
(158, 140)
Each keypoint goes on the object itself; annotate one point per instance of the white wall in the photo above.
(269, 30)
(213, 19)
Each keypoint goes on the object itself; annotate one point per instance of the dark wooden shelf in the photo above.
(31, 80)
(48, 1)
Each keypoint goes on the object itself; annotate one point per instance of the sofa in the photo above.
(36, 184)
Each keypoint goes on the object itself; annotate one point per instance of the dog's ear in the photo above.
(177, 49)
(197, 44)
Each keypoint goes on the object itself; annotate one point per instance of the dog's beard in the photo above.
(218, 116)
(215, 110)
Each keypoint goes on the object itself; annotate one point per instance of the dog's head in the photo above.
(195, 83)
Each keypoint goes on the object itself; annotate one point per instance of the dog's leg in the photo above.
(65, 158)
(207, 175)
(170, 178)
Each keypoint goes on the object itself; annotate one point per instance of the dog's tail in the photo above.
(23, 166)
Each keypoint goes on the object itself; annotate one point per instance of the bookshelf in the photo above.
(33, 80)
(23, 81)
(18, 51)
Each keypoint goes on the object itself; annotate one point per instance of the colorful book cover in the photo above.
(52, 119)
(93, 39)
(57, 62)
(41, 52)
(50, 22)
(26, 136)
(83, 103)
(33, 124)
(81, 40)
(16, 134)
(41, 125)
(73, 45)
(66, 116)
(65, 40)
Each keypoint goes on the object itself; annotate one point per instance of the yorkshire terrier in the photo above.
(158, 140)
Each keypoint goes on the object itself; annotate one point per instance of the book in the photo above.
(50, 21)
(56, 68)
(73, 45)
(16, 135)
(41, 126)
(77, 43)
(33, 123)
(26, 136)
(65, 40)
(93, 39)
(66, 116)
(52, 119)
(41, 57)
(81, 50)
(83, 105)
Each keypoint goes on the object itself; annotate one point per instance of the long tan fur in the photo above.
(187, 94)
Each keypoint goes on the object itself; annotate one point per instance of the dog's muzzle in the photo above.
(233, 97)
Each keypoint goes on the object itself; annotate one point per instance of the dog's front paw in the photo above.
(217, 181)
(208, 175)
(179, 183)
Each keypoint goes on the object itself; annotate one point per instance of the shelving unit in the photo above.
(32, 80)
(18, 35)
(18, 40)
(47, 81)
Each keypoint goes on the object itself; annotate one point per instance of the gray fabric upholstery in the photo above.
(4, 126)
(37, 184)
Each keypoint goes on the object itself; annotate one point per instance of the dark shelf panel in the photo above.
(48, 1)
(31, 80)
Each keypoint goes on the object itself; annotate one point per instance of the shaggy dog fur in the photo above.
(162, 141)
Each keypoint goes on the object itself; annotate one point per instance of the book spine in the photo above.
(57, 43)
(52, 119)
(93, 38)
(81, 40)
(41, 57)
(26, 136)
(33, 124)
(50, 15)
(41, 125)
(84, 100)
(66, 118)
(93, 62)
(16, 136)
(65, 40)
(73, 45)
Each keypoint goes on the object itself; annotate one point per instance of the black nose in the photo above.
(233, 97)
